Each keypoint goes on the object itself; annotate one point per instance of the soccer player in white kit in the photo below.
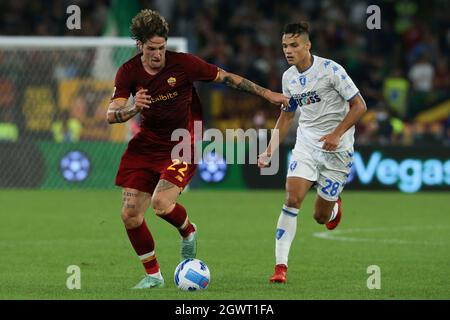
(329, 104)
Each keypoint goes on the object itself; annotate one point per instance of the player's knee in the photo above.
(293, 202)
(321, 217)
(131, 218)
(160, 205)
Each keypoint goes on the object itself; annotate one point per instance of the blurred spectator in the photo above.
(384, 127)
(259, 124)
(421, 74)
(401, 70)
(66, 128)
(447, 132)
(435, 134)
(431, 134)
(259, 120)
(380, 126)
(408, 134)
(8, 129)
(419, 133)
(367, 128)
(398, 129)
(46, 18)
(395, 91)
(442, 75)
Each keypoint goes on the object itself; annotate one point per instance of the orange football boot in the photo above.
(334, 223)
(279, 276)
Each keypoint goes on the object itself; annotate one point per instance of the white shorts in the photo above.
(329, 170)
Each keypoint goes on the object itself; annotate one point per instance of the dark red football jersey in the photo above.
(175, 103)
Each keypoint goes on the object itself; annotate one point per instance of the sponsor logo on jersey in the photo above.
(306, 98)
(164, 97)
(172, 81)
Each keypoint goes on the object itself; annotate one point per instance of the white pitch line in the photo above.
(337, 235)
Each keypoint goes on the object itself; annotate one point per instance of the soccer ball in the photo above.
(191, 275)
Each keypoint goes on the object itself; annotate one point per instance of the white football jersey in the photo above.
(322, 93)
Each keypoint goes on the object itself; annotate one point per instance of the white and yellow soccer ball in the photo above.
(192, 275)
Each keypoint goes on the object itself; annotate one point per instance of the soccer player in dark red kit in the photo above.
(161, 82)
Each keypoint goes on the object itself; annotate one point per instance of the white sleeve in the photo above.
(342, 82)
(285, 83)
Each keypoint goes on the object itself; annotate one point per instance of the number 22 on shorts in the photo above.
(181, 170)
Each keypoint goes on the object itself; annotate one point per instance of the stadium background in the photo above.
(56, 147)
(60, 95)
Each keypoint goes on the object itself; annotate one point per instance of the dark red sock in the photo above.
(142, 241)
(177, 218)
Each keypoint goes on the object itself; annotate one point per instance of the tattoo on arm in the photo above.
(118, 116)
(124, 114)
(244, 85)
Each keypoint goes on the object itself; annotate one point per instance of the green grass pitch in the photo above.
(407, 236)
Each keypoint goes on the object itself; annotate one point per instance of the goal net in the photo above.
(54, 96)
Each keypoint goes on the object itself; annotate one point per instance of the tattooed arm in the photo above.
(235, 81)
(118, 111)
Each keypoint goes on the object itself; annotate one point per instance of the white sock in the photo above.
(156, 275)
(189, 237)
(334, 212)
(286, 228)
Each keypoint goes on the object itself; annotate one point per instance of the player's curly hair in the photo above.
(301, 28)
(148, 24)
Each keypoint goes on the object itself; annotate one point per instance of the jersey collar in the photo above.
(309, 68)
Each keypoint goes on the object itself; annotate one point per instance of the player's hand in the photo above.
(263, 160)
(276, 98)
(291, 106)
(142, 100)
(330, 141)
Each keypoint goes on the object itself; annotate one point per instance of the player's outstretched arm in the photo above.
(281, 130)
(119, 112)
(357, 109)
(235, 81)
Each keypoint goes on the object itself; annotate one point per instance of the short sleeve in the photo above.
(342, 82)
(198, 69)
(122, 85)
(284, 84)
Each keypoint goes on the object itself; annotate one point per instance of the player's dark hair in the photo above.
(301, 28)
(148, 24)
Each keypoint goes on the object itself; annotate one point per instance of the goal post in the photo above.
(46, 75)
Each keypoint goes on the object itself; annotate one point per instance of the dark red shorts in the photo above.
(143, 164)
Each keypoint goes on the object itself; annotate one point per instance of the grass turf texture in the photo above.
(407, 236)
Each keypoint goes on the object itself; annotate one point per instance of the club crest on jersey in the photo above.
(172, 81)
(302, 80)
